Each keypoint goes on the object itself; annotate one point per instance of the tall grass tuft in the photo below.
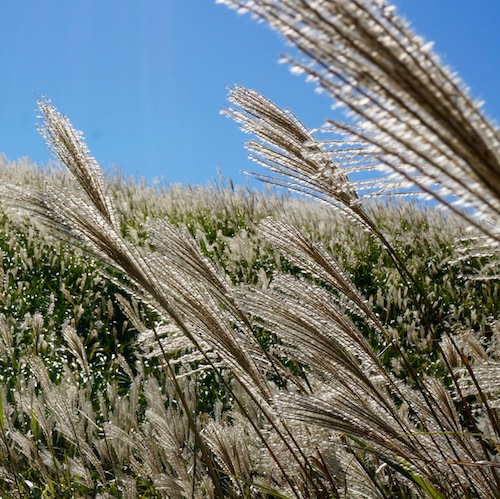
(252, 345)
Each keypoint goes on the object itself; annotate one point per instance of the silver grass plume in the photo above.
(412, 115)
(352, 392)
(66, 406)
(174, 279)
(68, 147)
(76, 347)
(177, 280)
(285, 146)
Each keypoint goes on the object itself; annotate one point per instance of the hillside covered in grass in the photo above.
(338, 341)
(88, 409)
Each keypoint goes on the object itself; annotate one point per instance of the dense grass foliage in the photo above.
(82, 399)
(176, 341)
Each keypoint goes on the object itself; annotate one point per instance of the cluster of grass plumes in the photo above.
(76, 341)
(252, 345)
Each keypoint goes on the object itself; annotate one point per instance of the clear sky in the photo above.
(145, 81)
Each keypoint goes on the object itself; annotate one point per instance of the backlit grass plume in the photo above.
(412, 115)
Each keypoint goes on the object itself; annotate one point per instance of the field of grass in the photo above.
(192, 342)
(88, 408)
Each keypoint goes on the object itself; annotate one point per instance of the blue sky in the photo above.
(145, 81)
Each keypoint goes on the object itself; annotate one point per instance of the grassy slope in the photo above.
(94, 371)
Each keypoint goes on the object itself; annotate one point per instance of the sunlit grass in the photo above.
(115, 389)
(180, 341)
